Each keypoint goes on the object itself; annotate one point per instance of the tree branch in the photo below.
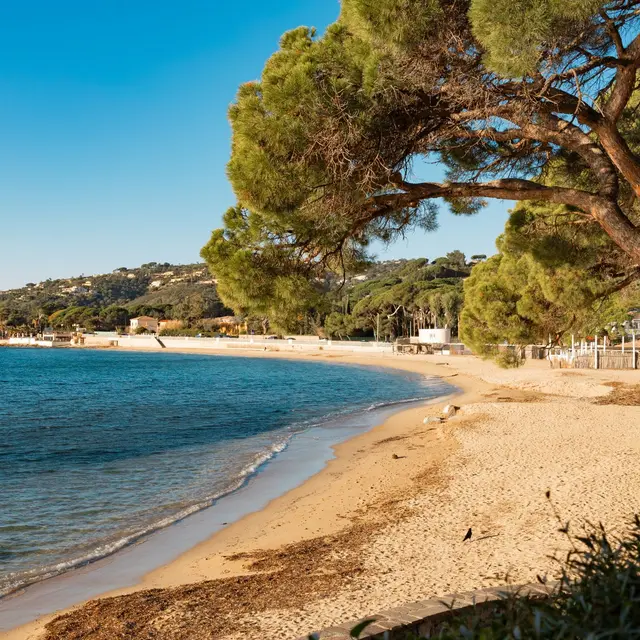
(606, 212)
(506, 189)
(613, 32)
(630, 279)
(625, 82)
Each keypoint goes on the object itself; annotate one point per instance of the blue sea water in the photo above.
(98, 448)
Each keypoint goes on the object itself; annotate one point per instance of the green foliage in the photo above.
(516, 299)
(397, 24)
(114, 317)
(339, 325)
(509, 358)
(359, 628)
(72, 317)
(160, 311)
(516, 33)
(189, 332)
(197, 305)
(257, 278)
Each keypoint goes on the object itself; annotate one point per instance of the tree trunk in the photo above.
(618, 227)
(624, 159)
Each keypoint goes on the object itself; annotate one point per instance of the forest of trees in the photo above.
(396, 297)
(414, 295)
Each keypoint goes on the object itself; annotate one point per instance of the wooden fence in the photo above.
(595, 360)
(596, 355)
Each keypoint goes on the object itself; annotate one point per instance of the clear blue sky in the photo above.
(114, 137)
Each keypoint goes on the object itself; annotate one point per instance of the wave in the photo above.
(17, 581)
(393, 403)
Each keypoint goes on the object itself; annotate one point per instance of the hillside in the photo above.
(107, 300)
(188, 293)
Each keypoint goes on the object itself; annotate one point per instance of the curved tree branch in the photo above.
(624, 82)
(606, 212)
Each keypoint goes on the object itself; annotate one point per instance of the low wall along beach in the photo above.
(228, 344)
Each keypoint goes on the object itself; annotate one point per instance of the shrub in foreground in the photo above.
(598, 597)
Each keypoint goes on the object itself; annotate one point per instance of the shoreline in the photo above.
(66, 580)
(373, 531)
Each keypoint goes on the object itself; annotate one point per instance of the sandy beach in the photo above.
(383, 523)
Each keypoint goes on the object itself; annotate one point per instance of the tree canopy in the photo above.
(514, 298)
(500, 92)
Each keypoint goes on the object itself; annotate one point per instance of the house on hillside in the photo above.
(74, 289)
(143, 322)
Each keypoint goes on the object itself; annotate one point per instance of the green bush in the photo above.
(509, 358)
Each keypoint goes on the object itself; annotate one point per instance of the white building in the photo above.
(434, 336)
(146, 322)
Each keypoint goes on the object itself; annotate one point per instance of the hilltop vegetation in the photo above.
(107, 301)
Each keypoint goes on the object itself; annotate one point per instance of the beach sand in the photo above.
(374, 530)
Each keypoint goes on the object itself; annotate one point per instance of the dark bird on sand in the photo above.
(468, 536)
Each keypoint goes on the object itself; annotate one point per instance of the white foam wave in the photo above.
(15, 581)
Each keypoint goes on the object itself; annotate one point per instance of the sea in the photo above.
(100, 448)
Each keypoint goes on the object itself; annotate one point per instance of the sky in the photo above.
(114, 136)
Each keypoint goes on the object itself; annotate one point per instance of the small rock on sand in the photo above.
(450, 410)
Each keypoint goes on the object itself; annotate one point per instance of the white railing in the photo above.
(596, 354)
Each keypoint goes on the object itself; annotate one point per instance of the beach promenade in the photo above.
(383, 523)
